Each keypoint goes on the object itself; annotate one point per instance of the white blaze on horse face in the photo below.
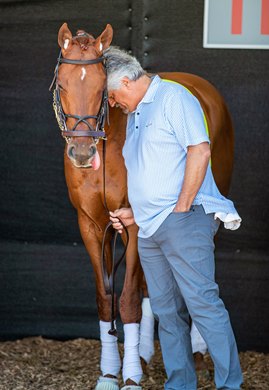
(101, 46)
(66, 43)
(83, 73)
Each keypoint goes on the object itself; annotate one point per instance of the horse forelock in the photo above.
(83, 39)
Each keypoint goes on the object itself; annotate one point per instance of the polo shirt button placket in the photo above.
(136, 120)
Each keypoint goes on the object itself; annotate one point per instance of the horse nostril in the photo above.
(92, 150)
(70, 151)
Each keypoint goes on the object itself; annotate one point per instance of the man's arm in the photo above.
(198, 157)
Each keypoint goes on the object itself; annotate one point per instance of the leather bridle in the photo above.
(97, 134)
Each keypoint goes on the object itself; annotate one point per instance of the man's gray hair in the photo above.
(120, 64)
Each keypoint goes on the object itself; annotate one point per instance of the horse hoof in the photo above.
(105, 383)
(131, 387)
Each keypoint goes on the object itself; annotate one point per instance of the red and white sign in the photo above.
(236, 24)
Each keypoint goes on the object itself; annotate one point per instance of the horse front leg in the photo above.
(130, 312)
(110, 359)
(146, 330)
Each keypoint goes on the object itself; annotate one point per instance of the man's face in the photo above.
(122, 97)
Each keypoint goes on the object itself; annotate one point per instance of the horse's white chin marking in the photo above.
(82, 166)
(83, 73)
(66, 43)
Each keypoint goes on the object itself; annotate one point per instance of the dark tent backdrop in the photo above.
(46, 282)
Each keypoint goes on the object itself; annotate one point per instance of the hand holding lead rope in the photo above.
(122, 217)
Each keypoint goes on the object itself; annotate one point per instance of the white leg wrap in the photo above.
(131, 363)
(197, 341)
(110, 357)
(146, 346)
(107, 384)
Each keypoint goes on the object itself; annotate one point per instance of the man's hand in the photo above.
(126, 216)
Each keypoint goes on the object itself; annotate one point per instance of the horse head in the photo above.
(80, 93)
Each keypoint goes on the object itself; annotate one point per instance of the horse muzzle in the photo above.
(83, 155)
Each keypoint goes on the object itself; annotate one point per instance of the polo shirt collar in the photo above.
(152, 89)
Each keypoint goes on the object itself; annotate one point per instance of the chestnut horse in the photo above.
(80, 103)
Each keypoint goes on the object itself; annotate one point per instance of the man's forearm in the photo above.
(198, 157)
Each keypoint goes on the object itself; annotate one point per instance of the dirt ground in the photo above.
(37, 363)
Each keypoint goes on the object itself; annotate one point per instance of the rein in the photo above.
(96, 134)
(109, 281)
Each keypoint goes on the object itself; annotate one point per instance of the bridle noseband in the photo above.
(62, 117)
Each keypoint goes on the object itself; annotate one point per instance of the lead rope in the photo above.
(109, 281)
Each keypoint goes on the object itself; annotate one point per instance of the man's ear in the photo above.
(103, 41)
(64, 37)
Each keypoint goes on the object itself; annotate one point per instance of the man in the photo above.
(170, 185)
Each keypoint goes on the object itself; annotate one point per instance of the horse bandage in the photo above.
(110, 358)
(131, 362)
(146, 346)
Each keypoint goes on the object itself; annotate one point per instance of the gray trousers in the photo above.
(178, 262)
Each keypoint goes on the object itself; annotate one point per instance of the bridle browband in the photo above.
(97, 133)
(62, 117)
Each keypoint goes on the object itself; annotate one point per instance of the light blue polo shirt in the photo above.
(166, 121)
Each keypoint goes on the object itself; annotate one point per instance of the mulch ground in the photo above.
(37, 363)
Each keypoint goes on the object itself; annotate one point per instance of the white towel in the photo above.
(231, 221)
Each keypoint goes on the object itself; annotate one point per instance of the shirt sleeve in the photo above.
(186, 119)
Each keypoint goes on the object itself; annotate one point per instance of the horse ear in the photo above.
(104, 40)
(64, 37)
